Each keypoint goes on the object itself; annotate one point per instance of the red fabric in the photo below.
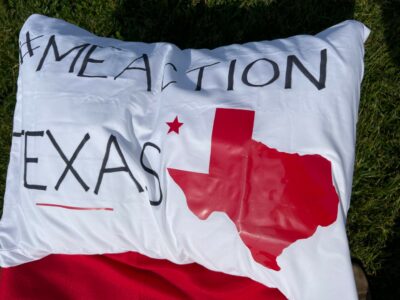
(123, 276)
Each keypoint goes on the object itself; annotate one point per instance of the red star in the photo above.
(174, 125)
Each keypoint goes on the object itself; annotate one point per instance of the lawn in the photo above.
(374, 217)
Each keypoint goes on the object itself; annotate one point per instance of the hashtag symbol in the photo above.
(28, 46)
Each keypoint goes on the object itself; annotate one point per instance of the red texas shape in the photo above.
(274, 198)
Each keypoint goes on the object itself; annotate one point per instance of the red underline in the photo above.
(74, 207)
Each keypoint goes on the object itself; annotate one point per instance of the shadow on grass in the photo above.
(210, 25)
(391, 19)
(385, 284)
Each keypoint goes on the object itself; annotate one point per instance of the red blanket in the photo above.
(123, 276)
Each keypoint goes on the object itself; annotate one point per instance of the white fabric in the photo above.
(301, 119)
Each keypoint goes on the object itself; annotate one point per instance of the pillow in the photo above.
(238, 158)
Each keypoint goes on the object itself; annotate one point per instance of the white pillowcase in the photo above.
(239, 158)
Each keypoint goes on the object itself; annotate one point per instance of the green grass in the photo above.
(374, 217)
